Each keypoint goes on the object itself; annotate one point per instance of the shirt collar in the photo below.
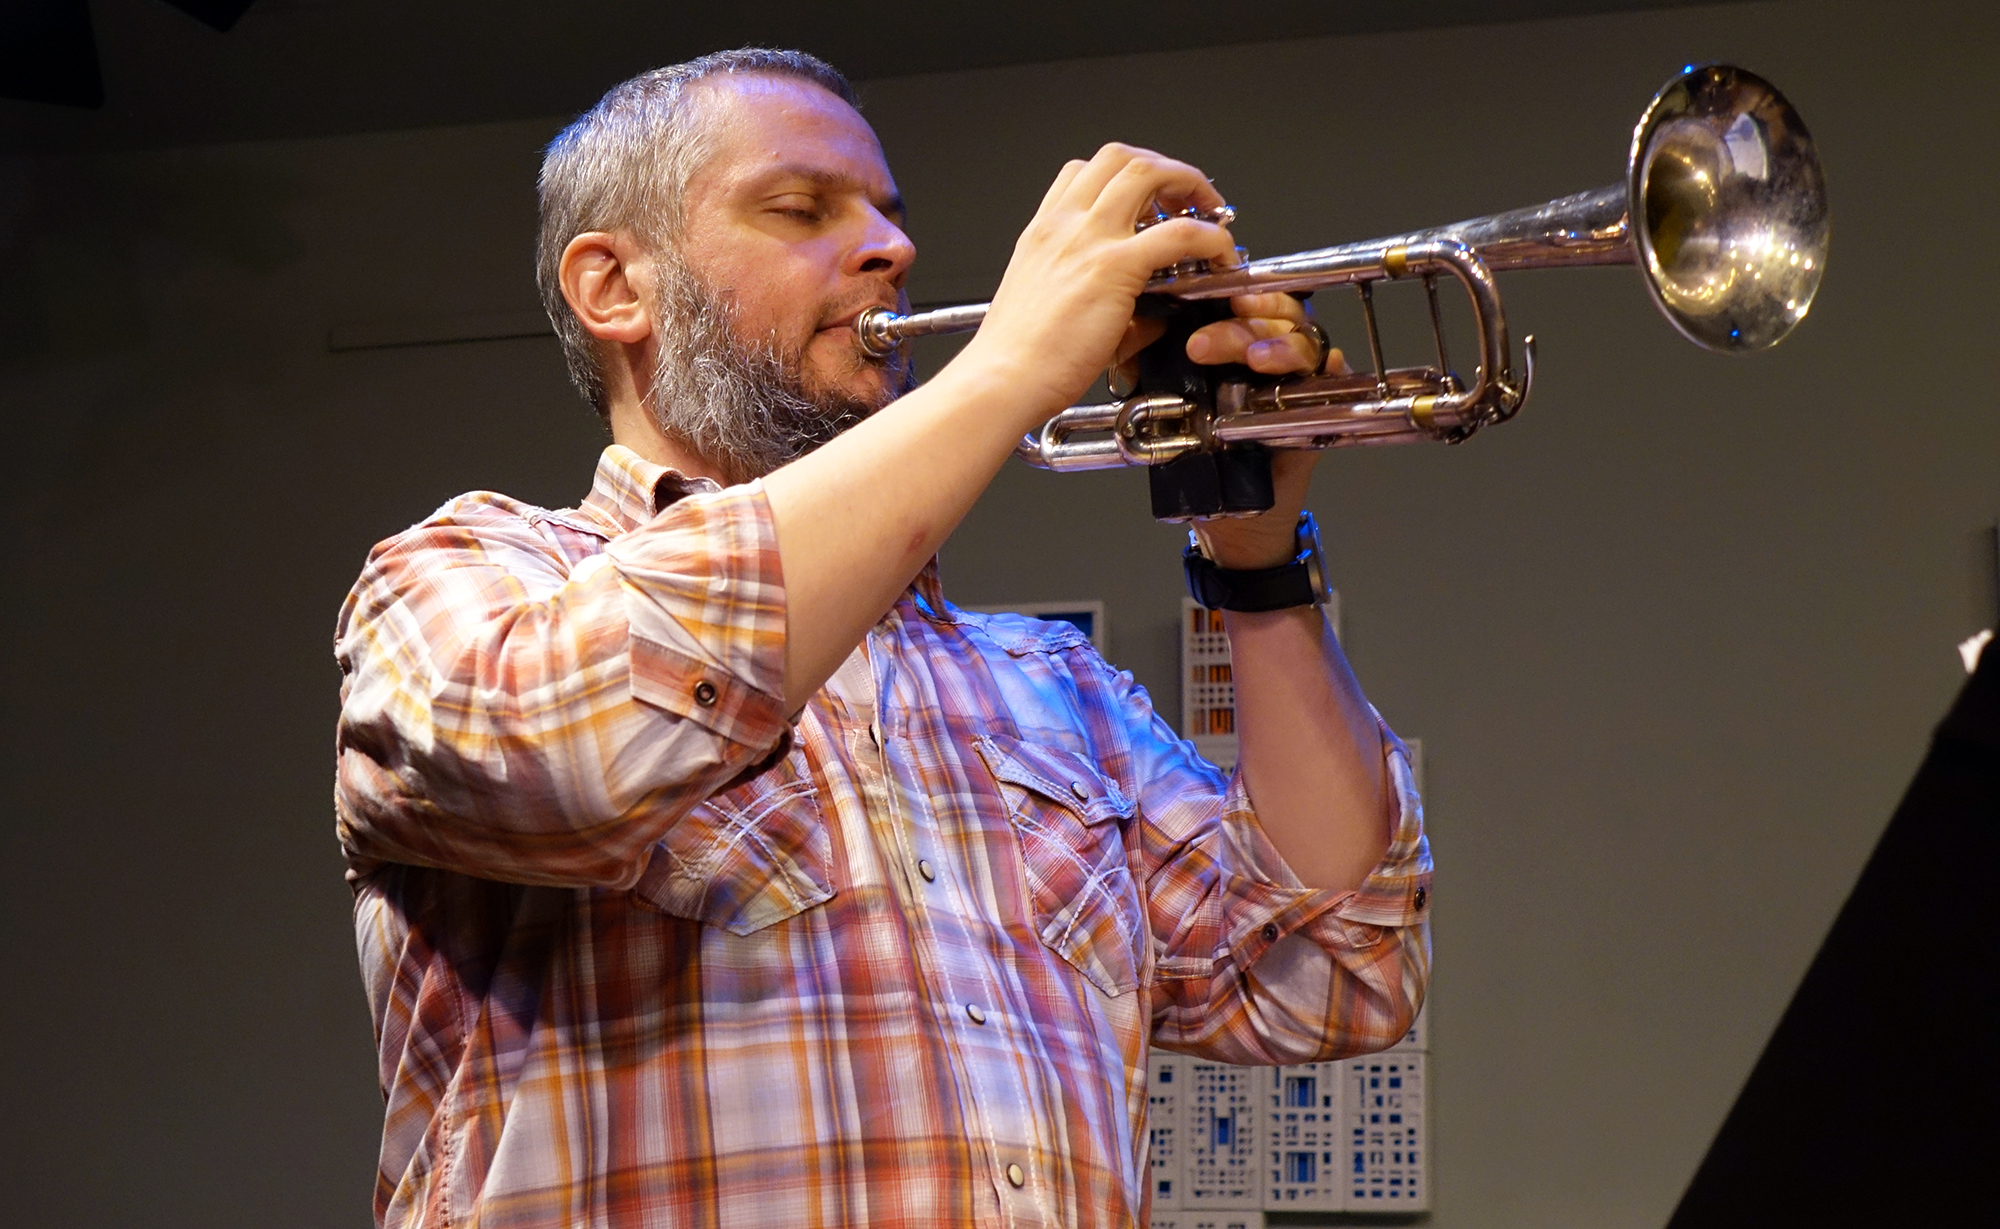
(628, 490)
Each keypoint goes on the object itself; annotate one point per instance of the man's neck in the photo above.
(624, 374)
(633, 427)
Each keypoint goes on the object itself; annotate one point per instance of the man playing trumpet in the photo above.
(710, 868)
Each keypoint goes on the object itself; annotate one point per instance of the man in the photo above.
(710, 868)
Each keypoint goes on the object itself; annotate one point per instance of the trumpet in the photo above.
(1722, 208)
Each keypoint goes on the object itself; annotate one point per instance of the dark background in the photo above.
(1673, 640)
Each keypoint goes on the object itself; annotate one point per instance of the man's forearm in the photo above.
(1311, 751)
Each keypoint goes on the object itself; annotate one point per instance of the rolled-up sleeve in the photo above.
(512, 714)
(1252, 967)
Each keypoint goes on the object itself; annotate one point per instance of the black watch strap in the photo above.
(1302, 582)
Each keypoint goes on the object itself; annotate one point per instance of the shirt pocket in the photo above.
(746, 858)
(1069, 820)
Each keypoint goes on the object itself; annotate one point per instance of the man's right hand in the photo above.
(1067, 297)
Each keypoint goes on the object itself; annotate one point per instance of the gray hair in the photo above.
(625, 164)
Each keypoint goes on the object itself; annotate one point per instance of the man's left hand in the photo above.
(1269, 335)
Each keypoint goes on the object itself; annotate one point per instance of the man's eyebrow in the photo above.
(820, 177)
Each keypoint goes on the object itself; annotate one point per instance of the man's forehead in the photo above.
(767, 123)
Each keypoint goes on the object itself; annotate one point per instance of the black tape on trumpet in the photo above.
(1234, 481)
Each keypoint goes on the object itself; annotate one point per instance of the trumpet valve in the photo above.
(1163, 279)
(1222, 215)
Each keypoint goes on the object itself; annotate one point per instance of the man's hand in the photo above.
(1270, 336)
(1067, 296)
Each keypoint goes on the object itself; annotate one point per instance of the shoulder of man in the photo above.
(488, 516)
(448, 560)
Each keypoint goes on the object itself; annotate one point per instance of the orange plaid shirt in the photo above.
(641, 952)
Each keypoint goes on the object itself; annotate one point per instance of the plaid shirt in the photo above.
(640, 951)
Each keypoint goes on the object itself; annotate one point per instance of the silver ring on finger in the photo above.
(1323, 344)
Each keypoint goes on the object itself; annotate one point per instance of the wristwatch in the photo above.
(1302, 582)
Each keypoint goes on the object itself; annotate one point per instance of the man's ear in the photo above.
(601, 273)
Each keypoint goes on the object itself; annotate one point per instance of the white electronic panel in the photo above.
(1305, 1138)
(1341, 1136)
(1386, 1147)
(1166, 1080)
(1230, 1218)
(1222, 1147)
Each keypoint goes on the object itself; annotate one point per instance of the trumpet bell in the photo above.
(1728, 209)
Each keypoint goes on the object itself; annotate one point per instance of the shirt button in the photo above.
(1082, 794)
(925, 869)
(1270, 932)
(978, 1015)
(1423, 894)
(875, 732)
(704, 693)
(1016, 1175)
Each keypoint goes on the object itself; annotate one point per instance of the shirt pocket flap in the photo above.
(745, 859)
(1068, 822)
(1063, 777)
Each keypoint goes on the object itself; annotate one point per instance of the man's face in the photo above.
(796, 220)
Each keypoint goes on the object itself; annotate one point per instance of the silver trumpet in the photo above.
(1732, 227)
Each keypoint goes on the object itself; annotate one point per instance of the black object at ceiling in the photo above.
(48, 51)
(1877, 1100)
(49, 54)
(220, 14)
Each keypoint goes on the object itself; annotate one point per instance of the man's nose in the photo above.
(884, 251)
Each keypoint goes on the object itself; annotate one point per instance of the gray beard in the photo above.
(741, 404)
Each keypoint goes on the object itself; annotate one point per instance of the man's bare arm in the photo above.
(1310, 749)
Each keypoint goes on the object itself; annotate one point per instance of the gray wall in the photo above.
(1674, 639)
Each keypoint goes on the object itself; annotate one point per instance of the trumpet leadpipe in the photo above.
(880, 330)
